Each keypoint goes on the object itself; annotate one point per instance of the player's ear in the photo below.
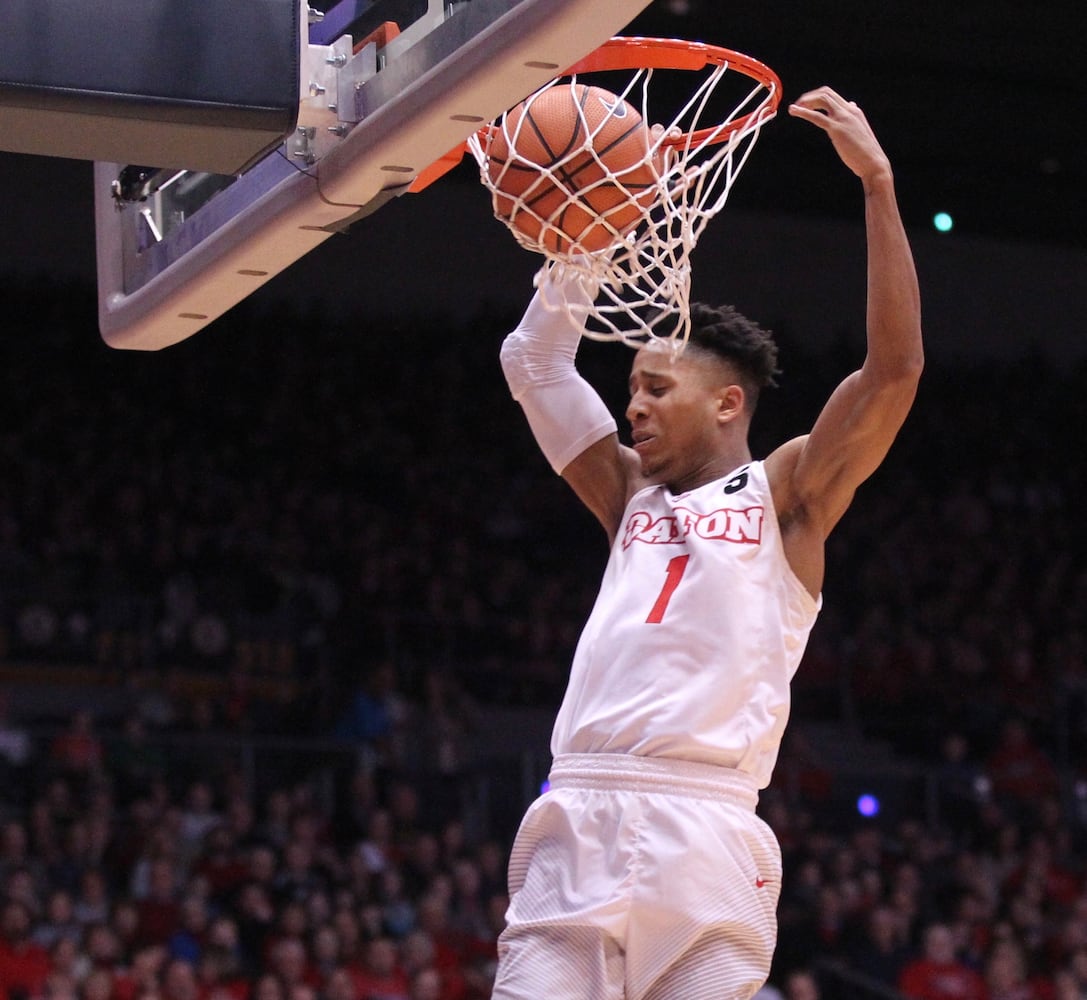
(730, 402)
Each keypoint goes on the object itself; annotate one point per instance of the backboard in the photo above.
(385, 88)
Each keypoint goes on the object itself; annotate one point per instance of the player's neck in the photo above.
(716, 467)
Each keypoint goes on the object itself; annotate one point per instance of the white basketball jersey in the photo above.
(698, 628)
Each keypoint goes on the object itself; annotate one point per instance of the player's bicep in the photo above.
(848, 442)
(603, 478)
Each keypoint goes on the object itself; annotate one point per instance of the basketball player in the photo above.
(644, 873)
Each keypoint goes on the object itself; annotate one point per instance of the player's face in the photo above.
(674, 413)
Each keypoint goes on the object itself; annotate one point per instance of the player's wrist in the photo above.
(879, 179)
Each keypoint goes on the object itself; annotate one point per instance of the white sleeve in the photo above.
(565, 413)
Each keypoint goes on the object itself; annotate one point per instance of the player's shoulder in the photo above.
(784, 457)
(779, 466)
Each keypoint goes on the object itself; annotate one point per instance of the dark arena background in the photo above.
(286, 609)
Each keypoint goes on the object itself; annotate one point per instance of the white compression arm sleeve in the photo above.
(565, 413)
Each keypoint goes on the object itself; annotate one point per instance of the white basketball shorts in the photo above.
(638, 878)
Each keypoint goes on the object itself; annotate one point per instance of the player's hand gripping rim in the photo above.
(849, 131)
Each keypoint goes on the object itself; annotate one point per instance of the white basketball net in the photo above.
(641, 285)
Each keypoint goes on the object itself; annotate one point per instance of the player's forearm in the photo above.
(565, 413)
(894, 300)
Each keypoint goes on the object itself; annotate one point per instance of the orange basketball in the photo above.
(571, 168)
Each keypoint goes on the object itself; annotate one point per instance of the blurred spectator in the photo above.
(340, 985)
(16, 856)
(58, 921)
(103, 948)
(92, 902)
(491, 859)
(444, 720)
(99, 984)
(349, 931)
(373, 716)
(142, 977)
(420, 859)
(468, 909)
(397, 910)
(379, 976)
(426, 984)
(275, 824)
(961, 781)
(454, 981)
(416, 952)
(221, 969)
(801, 984)
(68, 961)
(325, 951)
(256, 917)
(220, 864)
(134, 761)
(268, 986)
(179, 980)
(1020, 771)
(1006, 974)
(76, 852)
(198, 817)
(288, 959)
(292, 923)
(21, 888)
(24, 964)
(376, 848)
(938, 974)
(125, 923)
(451, 946)
(1058, 879)
(299, 876)
(881, 951)
(158, 905)
(78, 752)
(188, 940)
(15, 747)
(1065, 986)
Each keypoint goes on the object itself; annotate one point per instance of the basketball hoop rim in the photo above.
(629, 52)
(635, 52)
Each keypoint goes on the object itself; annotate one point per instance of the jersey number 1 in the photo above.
(676, 567)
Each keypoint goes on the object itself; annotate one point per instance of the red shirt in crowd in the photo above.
(24, 967)
(926, 979)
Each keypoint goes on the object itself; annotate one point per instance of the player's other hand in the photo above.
(849, 131)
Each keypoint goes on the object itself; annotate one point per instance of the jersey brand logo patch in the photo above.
(759, 883)
(725, 525)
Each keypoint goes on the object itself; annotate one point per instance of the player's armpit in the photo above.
(604, 477)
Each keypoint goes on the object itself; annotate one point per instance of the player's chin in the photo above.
(651, 462)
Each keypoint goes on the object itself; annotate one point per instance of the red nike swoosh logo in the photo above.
(759, 883)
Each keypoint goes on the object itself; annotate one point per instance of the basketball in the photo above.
(570, 168)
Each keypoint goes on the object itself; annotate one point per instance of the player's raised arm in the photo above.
(818, 475)
(571, 424)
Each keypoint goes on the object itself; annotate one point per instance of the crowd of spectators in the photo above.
(349, 531)
(132, 874)
(184, 890)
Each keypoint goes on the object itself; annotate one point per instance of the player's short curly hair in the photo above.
(746, 346)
